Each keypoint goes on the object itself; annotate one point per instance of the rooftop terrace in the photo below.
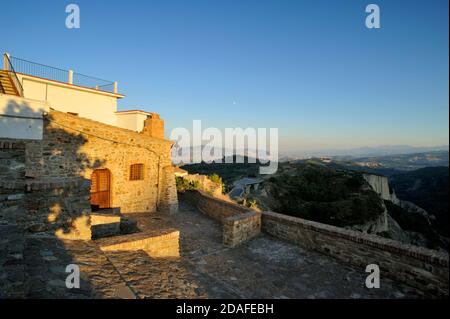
(263, 267)
(21, 66)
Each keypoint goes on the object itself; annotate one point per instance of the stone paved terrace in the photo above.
(263, 267)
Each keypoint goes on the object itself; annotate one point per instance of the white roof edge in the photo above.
(132, 112)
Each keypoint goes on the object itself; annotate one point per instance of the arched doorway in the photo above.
(101, 189)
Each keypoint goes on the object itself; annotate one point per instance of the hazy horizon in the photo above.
(357, 151)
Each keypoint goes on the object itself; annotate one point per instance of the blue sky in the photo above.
(310, 68)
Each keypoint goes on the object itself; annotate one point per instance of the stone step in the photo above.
(107, 223)
(128, 226)
(107, 211)
(103, 225)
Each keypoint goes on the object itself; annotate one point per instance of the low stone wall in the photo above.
(162, 243)
(424, 269)
(239, 228)
(239, 223)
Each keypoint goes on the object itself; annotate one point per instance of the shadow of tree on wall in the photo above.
(54, 206)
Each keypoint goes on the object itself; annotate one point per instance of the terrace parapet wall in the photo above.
(424, 269)
(239, 223)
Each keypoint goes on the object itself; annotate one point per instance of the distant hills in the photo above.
(406, 162)
(385, 160)
(392, 164)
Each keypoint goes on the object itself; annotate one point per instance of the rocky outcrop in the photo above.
(385, 225)
(404, 221)
(380, 184)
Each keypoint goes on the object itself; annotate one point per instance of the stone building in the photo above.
(63, 163)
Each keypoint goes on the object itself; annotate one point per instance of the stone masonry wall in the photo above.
(75, 147)
(168, 195)
(239, 223)
(54, 206)
(12, 179)
(424, 269)
(12, 159)
(33, 206)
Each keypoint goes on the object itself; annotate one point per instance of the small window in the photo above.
(136, 172)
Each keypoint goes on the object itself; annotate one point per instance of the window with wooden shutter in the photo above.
(136, 172)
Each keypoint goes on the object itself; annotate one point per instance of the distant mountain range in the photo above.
(383, 150)
(391, 164)
(405, 162)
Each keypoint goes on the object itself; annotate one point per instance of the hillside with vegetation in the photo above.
(428, 188)
(309, 190)
(321, 194)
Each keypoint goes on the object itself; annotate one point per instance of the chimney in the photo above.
(154, 126)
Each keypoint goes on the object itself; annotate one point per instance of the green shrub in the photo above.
(184, 184)
(215, 178)
(252, 204)
(218, 180)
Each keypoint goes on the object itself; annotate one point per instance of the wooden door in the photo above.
(100, 188)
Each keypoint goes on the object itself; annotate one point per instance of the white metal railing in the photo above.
(56, 74)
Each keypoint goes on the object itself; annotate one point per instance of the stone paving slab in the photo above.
(267, 268)
(156, 277)
(46, 261)
(12, 265)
